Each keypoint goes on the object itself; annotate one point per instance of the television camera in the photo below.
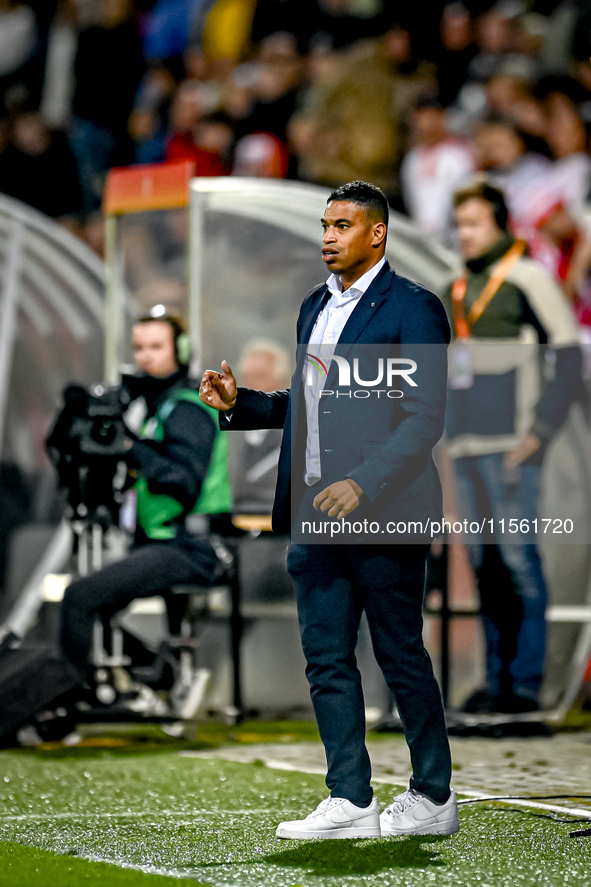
(88, 445)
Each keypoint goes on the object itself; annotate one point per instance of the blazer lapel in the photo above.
(368, 304)
(310, 320)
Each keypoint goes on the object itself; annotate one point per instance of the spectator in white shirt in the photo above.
(525, 177)
(566, 137)
(433, 169)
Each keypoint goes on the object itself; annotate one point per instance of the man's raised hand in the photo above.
(219, 390)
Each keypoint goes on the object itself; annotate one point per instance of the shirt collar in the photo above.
(358, 288)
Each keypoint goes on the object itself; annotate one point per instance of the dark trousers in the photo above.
(483, 493)
(147, 571)
(334, 583)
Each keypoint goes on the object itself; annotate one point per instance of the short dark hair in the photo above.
(483, 190)
(175, 323)
(364, 194)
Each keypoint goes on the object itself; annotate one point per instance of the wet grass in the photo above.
(30, 867)
(67, 812)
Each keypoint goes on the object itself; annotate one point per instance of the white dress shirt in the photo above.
(323, 341)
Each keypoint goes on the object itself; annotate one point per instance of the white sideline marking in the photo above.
(388, 780)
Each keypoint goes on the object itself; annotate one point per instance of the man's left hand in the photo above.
(339, 499)
(525, 449)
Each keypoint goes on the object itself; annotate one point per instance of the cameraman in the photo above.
(179, 461)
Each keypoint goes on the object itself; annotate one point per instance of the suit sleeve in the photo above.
(256, 409)
(424, 336)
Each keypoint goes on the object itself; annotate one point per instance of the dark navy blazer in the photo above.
(385, 445)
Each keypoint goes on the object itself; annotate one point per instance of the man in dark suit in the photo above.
(337, 459)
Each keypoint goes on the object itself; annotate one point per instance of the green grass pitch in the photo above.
(114, 816)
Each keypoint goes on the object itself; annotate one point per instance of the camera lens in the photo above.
(104, 432)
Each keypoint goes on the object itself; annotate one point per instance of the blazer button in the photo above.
(373, 304)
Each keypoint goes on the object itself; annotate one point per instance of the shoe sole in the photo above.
(437, 828)
(330, 834)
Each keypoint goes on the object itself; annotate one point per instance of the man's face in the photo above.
(428, 126)
(351, 240)
(153, 345)
(497, 146)
(258, 370)
(31, 135)
(476, 227)
(455, 29)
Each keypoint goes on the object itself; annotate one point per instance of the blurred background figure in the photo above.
(261, 155)
(433, 169)
(296, 17)
(456, 52)
(38, 167)
(149, 118)
(546, 192)
(491, 36)
(262, 94)
(264, 366)
(107, 69)
(167, 28)
(358, 116)
(252, 459)
(194, 133)
(332, 84)
(220, 36)
(498, 428)
(567, 139)
(59, 80)
(493, 42)
(19, 42)
(522, 175)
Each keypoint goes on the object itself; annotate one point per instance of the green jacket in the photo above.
(160, 515)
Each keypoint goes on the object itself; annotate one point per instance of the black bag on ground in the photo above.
(32, 676)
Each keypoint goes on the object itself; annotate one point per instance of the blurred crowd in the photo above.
(416, 98)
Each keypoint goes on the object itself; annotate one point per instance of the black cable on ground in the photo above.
(582, 833)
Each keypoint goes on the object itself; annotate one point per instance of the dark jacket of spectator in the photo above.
(108, 69)
(38, 168)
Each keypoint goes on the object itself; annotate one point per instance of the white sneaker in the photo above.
(414, 814)
(335, 818)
